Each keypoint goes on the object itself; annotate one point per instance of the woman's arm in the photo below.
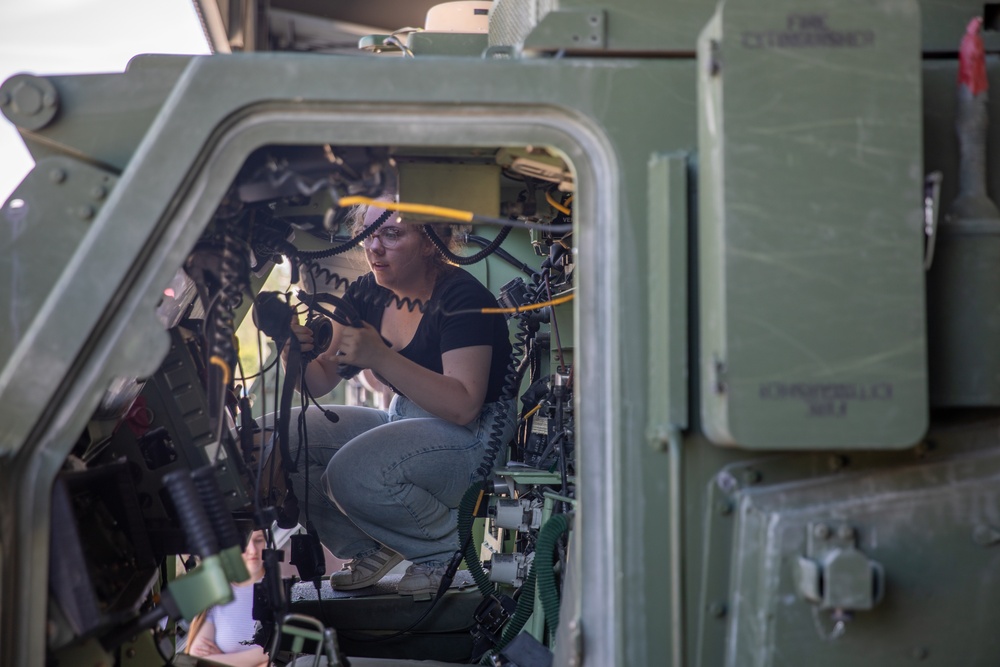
(456, 394)
(203, 642)
(252, 657)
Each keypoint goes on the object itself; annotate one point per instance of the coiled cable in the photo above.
(507, 394)
(346, 245)
(442, 247)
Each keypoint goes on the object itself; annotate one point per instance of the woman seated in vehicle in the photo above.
(385, 484)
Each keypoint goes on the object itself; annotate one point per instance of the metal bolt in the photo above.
(576, 650)
(720, 373)
(717, 609)
(714, 66)
(27, 99)
(727, 482)
(57, 175)
(845, 532)
(85, 212)
(49, 100)
(822, 531)
(99, 192)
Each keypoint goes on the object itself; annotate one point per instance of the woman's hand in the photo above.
(361, 346)
(303, 334)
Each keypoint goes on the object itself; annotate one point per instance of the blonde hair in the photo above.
(448, 233)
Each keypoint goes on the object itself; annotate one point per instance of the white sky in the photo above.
(83, 36)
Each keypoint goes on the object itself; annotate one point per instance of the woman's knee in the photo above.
(349, 483)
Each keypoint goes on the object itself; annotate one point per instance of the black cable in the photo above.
(563, 473)
(488, 250)
(258, 373)
(145, 621)
(507, 394)
(263, 428)
(555, 325)
(313, 307)
(347, 245)
(513, 175)
(274, 437)
(335, 282)
(521, 224)
(502, 254)
(303, 442)
(385, 298)
(330, 415)
(167, 662)
(443, 587)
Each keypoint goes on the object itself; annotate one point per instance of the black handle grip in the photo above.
(207, 484)
(197, 528)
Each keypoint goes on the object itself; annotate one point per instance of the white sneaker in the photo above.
(422, 579)
(365, 571)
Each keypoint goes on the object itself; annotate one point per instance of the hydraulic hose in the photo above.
(548, 593)
(525, 605)
(466, 516)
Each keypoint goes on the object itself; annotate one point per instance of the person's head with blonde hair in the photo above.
(365, 215)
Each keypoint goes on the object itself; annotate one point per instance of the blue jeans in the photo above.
(391, 477)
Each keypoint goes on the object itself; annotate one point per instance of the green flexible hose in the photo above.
(466, 512)
(525, 605)
(548, 593)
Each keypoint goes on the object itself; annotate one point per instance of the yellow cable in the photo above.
(216, 360)
(556, 205)
(419, 209)
(532, 411)
(535, 306)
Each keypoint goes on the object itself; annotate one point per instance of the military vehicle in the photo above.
(750, 259)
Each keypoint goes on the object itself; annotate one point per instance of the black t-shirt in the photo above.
(439, 332)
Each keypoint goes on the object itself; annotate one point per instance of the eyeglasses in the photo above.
(388, 237)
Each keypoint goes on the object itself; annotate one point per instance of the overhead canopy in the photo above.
(325, 26)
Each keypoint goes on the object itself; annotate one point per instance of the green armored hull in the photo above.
(750, 271)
